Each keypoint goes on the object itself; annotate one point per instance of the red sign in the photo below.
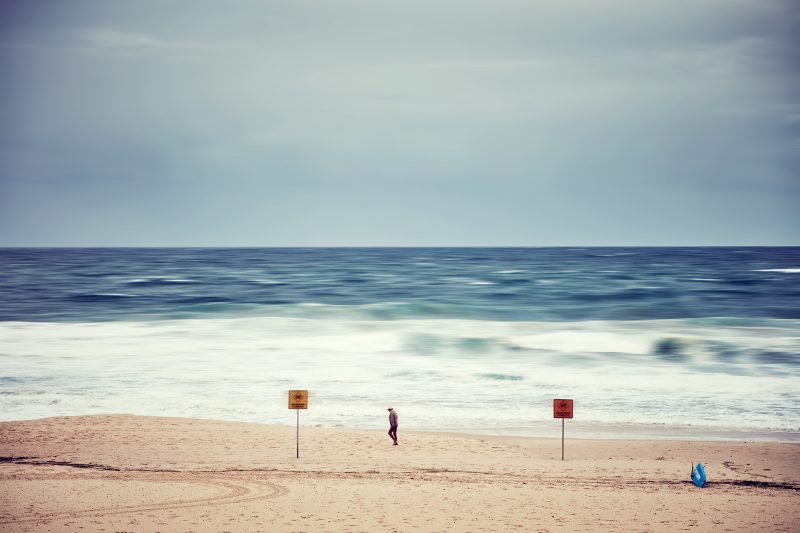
(562, 408)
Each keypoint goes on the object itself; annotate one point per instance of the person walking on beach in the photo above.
(393, 425)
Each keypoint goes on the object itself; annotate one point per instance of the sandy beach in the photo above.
(131, 473)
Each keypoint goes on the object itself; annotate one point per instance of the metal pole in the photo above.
(562, 439)
(298, 433)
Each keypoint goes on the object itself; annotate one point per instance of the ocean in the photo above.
(648, 342)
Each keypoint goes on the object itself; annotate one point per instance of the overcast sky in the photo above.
(330, 123)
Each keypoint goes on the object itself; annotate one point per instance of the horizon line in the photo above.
(352, 247)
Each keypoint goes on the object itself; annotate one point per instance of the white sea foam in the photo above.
(160, 279)
(469, 281)
(781, 270)
(446, 374)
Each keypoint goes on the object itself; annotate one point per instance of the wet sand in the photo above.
(131, 473)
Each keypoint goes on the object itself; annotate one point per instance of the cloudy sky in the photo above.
(317, 123)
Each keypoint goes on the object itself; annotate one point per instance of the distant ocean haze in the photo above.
(650, 340)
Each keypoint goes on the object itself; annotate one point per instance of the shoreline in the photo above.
(575, 430)
(644, 432)
(133, 473)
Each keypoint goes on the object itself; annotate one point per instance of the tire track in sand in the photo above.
(233, 491)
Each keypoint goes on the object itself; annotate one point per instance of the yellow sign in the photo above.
(298, 399)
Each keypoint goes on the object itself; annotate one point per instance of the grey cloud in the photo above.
(398, 123)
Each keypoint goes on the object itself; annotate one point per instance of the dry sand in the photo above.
(131, 473)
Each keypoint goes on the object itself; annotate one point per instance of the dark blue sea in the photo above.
(651, 341)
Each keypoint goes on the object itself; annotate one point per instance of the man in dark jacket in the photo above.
(393, 425)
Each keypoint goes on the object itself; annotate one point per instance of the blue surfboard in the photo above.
(699, 475)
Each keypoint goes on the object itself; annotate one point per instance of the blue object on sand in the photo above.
(699, 475)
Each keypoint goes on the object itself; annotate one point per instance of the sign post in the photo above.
(298, 399)
(562, 409)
